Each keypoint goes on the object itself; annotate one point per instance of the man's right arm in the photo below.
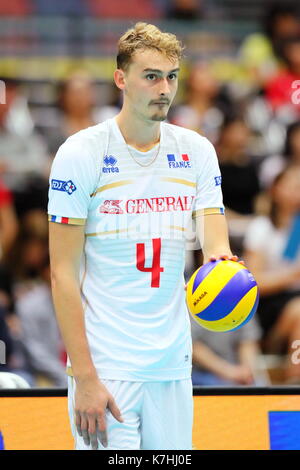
(66, 244)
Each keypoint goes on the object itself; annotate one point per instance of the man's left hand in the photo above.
(226, 257)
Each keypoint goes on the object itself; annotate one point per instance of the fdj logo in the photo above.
(64, 186)
(109, 162)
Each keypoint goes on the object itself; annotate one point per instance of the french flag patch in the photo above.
(61, 220)
(180, 162)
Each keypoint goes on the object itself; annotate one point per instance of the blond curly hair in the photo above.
(147, 36)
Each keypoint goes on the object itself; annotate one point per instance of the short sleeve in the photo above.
(72, 181)
(209, 199)
(258, 234)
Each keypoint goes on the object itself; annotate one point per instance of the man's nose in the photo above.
(164, 87)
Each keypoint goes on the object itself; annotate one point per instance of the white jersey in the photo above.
(136, 208)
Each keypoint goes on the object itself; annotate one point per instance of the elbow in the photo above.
(62, 275)
(54, 278)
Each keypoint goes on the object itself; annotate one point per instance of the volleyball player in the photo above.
(122, 194)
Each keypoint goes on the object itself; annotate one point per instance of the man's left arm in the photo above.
(212, 232)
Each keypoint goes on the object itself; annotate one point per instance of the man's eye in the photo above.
(151, 76)
(172, 76)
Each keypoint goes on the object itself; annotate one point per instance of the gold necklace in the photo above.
(142, 164)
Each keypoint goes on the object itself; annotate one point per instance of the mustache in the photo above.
(160, 101)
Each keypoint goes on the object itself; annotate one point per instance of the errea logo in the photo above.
(110, 162)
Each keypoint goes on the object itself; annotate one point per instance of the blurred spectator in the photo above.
(8, 220)
(228, 358)
(264, 57)
(188, 10)
(261, 53)
(7, 315)
(274, 164)
(35, 329)
(5, 337)
(240, 183)
(76, 104)
(204, 106)
(24, 163)
(142, 9)
(40, 334)
(272, 254)
(30, 251)
(6, 289)
(281, 91)
(75, 109)
(15, 7)
(185, 10)
(16, 359)
(73, 8)
(112, 106)
(239, 174)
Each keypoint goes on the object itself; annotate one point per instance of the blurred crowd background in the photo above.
(239, 87)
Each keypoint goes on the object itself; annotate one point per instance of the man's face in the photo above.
(151, 82)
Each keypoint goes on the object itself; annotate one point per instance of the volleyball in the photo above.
(222, 295)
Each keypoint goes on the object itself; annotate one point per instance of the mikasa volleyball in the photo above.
(222, 295)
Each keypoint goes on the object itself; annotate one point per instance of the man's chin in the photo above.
(158, 117)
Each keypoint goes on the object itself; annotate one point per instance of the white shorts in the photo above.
(157, 415)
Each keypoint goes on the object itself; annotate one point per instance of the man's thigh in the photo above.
(126, 435)
(167, 415)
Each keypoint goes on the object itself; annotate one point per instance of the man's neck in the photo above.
(138, 133)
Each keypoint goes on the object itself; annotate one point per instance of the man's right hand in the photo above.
(91, 401)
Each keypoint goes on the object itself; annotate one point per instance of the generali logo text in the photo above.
(144, 206)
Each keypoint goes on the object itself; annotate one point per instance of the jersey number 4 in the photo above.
(155, 269)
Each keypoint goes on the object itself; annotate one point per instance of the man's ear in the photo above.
(119, 77)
